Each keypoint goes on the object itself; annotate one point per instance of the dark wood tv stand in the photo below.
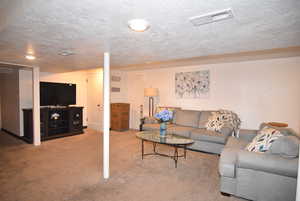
(55, 122)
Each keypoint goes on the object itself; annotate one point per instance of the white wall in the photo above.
(10, 102)
(0, 108)
(119, 97)
(94, 95)
(25, 94)
(115, 96)
(262, 90)
(1, 84)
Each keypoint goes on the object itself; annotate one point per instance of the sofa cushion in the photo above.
(286, 146)
(246, 134)
(187, 118)
(150, 120)
(180, 130)
(202, 134)
(236, 143)
(150, 127)
(229, 155)
(204, 116)
(267, 163)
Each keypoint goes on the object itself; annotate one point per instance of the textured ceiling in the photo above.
(91, 27)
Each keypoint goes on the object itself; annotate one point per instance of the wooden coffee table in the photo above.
(175, 141)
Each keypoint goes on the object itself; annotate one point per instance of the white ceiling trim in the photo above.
(214, 59)
(11, 65)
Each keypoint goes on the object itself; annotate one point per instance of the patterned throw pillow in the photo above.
(222, 118)
(214, 122)
(264, 139)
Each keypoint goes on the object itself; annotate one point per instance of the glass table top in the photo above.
(154, 136)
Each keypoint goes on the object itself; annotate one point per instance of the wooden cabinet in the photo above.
(119, 116)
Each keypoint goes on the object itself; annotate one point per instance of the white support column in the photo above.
(298, 181)
(36, 106)
(106, 114)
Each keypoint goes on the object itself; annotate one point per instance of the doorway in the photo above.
(95, 99)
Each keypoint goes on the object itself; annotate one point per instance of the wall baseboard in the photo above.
(11, 133)
(14, 135)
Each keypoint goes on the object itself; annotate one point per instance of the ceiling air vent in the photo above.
(212, 17)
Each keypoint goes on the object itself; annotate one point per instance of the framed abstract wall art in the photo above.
(192, 84)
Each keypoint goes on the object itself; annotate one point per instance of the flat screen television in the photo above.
(57, 94)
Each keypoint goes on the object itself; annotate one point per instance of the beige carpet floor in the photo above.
(70, 169)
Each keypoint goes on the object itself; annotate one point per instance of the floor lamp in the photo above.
(151, 92)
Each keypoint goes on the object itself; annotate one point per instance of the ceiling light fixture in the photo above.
(30, 57)
(138, 25)
(66, 53)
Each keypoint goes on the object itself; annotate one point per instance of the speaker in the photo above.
(75, 116)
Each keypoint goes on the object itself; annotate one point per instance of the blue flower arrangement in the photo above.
(164, 116)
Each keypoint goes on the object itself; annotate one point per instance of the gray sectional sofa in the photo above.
(191, 123)
(270, 176)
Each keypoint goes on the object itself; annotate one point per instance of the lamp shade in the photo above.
(151, 92)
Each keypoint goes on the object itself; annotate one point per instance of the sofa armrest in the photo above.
(227, 162)
(150, 120)
(247, 134)
(147, 120)
(268, 163)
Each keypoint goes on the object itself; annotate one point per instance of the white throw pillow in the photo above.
(264, 139)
